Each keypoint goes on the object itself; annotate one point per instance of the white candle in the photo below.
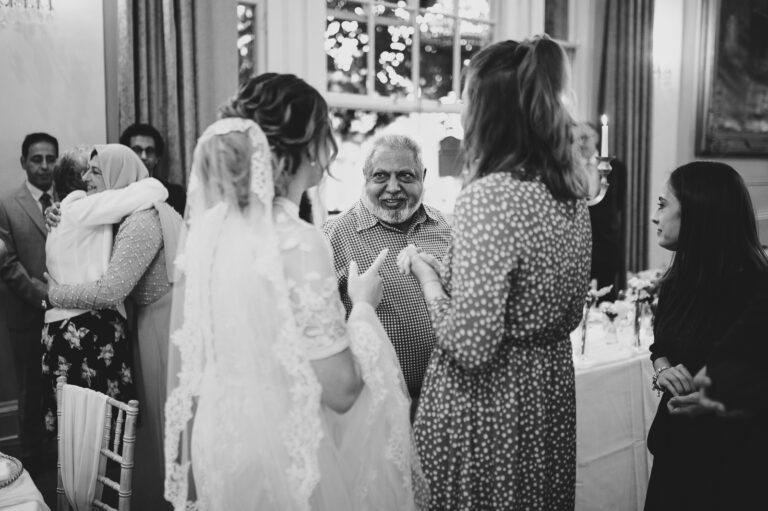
(604, 136)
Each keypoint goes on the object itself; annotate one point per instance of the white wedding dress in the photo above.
(245, 426)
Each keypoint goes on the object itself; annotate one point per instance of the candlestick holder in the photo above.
(604, 167)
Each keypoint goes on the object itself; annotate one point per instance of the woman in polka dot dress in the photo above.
(496, 425)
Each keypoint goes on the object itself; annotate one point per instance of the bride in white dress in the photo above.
(277, 402)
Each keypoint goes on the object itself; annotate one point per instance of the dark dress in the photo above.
(710, 462)
(608, 219)
(177, 196)
(92, 350)
(496, 423)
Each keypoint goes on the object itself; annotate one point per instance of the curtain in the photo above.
(157, 75)
(625, 73)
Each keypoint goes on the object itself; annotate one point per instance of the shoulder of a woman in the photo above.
(144, 217)
(497, 194)
(754, 282)
(141, 221)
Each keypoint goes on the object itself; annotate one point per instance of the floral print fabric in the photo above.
(93, 351)
(496, 424)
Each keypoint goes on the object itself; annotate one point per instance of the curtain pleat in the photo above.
(157, 76)
(625, 95)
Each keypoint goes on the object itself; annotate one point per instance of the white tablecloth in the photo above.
(614, 410)
(22, 495)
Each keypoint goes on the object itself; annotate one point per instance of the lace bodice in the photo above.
(314, 294)
(137, 267)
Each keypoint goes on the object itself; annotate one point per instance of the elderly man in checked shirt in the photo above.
(390, 214)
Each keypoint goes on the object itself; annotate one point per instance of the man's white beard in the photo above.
(392, 217)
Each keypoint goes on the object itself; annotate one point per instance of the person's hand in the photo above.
(53, 216)
(689, 405)
(49, 281)
(366, 287)
(677, 380)
(702, 382)
(425, 267)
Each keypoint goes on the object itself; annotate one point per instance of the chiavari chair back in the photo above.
(117, 445)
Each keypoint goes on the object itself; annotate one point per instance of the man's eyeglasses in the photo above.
(149, 152)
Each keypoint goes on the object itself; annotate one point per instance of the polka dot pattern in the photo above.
(496, 425)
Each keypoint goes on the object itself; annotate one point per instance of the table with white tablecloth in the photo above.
(22, 495)
(615, 406)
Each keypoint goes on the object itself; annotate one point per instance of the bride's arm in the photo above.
(340, 379)
(319, 315)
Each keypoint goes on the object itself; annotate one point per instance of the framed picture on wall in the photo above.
(733, 96)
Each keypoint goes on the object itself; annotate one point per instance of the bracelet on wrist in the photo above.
(655, 380)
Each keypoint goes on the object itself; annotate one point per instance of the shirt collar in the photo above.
(37, 192)
(366, 219)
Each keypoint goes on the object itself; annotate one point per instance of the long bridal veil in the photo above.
(245, 428)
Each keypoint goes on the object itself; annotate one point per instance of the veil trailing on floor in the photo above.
(244, 421)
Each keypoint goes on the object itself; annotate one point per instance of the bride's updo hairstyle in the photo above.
(292, 114)
(515, 119)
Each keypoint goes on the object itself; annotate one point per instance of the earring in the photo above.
(313, 163)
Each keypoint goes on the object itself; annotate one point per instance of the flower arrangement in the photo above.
(593, 295)
(644, 289)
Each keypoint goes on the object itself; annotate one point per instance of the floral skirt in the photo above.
(93, 351)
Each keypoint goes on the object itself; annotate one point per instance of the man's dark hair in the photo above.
(67, 176)
(34, 138)
(147, 130)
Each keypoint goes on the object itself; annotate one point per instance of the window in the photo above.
(251, 43)
(396, 67)
(556, 19)
(409, 53)
(559, 25)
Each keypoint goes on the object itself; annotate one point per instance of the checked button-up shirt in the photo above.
(358, 235)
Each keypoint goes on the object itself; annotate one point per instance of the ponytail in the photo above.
(516, 119)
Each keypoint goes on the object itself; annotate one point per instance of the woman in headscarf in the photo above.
(141, 267)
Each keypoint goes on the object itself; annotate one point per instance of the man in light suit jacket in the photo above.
(22, 224)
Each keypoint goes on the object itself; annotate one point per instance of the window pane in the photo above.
(246, 41)
(437, 6)
(474, 36)
(400, 12)
(436, 50)
(346, 49)
(556, 19)
(345, 5)
(394, 42)
(475, 9)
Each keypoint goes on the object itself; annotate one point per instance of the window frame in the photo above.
(259, 34)
(376, 102)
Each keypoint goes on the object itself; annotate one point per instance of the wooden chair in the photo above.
(122, 431)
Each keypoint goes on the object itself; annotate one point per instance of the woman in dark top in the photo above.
(711, 305)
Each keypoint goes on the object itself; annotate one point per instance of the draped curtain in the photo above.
(157, 76)
(625, 73)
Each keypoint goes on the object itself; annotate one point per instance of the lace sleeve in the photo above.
(136, 245)
(314, 294)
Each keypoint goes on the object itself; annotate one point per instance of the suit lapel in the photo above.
(31, 208)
